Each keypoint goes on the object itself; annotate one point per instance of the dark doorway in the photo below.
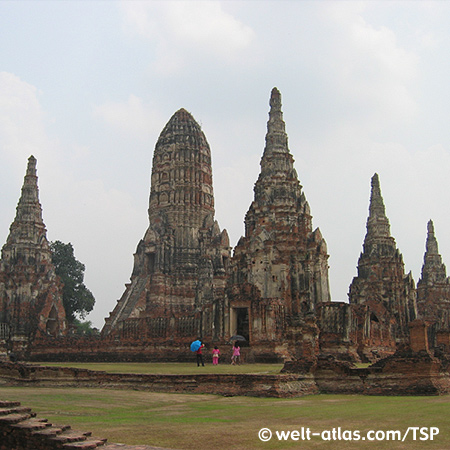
(242, 323)
(151, 262)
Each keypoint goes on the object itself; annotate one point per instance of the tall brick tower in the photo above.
(280, 266)
(178, 281)
(433, 287)
(30, 291)
(381, 283)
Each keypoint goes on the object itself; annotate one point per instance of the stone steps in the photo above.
(21, 429)
(8, 404)
(32, 424)
(135, 292)
(15, 418)
(14, 410)
(51, 431)
(19, 425)
(85, 445)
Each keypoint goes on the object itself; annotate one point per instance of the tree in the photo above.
(77, 298)
(85, 328)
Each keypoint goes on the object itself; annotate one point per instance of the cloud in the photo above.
(368, 68)
(183, 30)
(22, 121)
(132, 117)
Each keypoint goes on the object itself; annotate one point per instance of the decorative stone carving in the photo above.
(178, 281)
(30, 291)
(433, 289)
(381, 284)
(274, 291)
(281, 256)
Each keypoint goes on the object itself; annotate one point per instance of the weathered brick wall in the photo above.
(405, 373)
(283, 385)
(98, 349)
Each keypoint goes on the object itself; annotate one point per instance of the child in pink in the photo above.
(215, 355)
(236, 358)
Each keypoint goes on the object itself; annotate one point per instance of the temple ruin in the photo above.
(279, 270)
(383, 296)
(433, 292)
(177, 287)
(30, 291)
(272, 290)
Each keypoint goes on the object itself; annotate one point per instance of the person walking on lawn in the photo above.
(215, 355)
(200, 356)
(236, 357)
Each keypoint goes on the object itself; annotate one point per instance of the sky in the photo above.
(87, 87)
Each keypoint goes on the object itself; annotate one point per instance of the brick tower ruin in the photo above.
(274, 291)
(30, 291)
(178, 281)
(385, 295)
(433, 288)
(280, 267)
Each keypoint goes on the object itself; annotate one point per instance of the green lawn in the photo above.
(172, 368)
(204, 422)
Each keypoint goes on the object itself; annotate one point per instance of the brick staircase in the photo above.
(20, 429)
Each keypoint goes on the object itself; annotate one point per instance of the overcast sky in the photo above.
(87, 86)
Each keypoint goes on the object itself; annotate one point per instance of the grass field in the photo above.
(172, 368)
(204, 422)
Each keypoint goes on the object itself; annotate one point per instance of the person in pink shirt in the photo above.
(215, 355)
(236, 357)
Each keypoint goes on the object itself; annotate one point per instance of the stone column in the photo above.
(418, 332)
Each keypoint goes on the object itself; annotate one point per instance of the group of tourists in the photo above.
(235, 357)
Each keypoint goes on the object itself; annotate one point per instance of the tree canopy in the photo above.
(78, 300)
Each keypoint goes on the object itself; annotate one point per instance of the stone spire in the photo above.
(378, 237)
(276, 137)
(277, 163)
(29, 209)
(378, 244)
(181, 193)
(377, 222)
(281, 256)
(433, 287)
(181, 189)
(433, 270)
(180, 264)
(431, 245)
(30, 291)
(381, 282)
(27, 239)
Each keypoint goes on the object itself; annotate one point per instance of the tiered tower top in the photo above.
(378, 240)
(27, 234)
(377, 222)
(277, 163)
(181, 183)
(278, 184)
(433, 270)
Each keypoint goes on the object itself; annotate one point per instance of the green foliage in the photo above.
(85, 328)
(77, 298)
